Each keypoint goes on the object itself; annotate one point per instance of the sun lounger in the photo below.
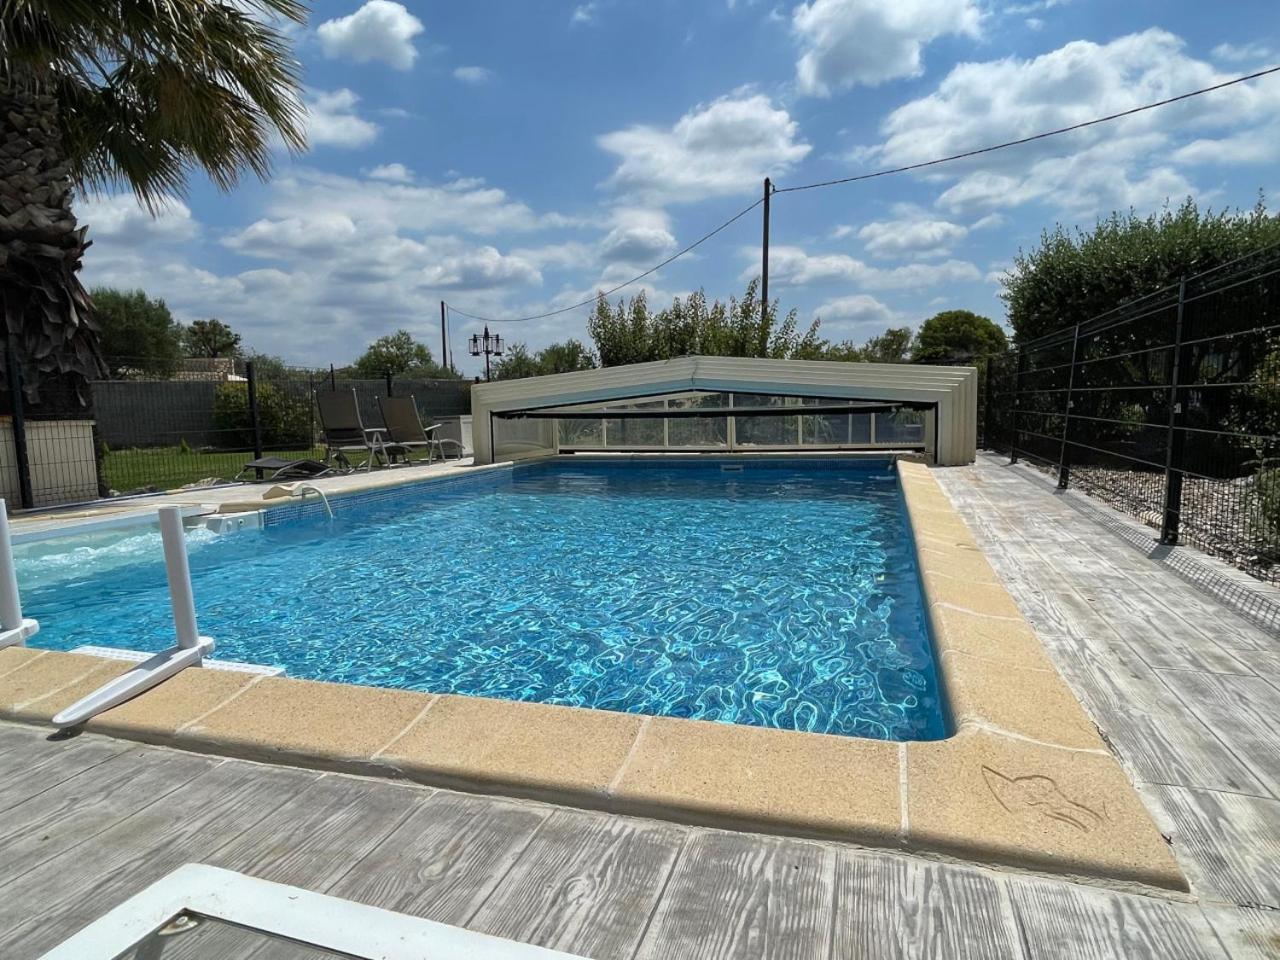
(344, 431)
(278, 468)
(405, 429)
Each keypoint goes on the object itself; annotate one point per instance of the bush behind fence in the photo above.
(1167, 408)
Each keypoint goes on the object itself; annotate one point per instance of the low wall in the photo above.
(61, 455)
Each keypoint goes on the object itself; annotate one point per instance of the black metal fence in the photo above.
(1167, 408)
(139, 433)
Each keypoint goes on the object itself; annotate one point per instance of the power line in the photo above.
(1038, 136)
(871, 176)
(612, 290)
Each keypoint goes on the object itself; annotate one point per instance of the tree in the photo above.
(138, 335)
(398, 354)
(266, 366)
(516, 364)
(631, 333)
(1070, 278)
(122, 93)
(957, 336)
(565, 357)
(892, 346)
(210, 338)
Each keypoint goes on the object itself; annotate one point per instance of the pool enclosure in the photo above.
(735, 404)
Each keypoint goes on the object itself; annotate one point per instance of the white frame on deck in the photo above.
(950, 393)
(290, 913)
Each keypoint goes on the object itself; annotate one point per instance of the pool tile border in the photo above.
(1025, 780)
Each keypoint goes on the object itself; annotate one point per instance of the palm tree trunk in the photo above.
(48, 317)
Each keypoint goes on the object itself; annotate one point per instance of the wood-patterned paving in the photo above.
(86, 822)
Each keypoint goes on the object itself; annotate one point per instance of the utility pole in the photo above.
(764, 255)
(444, 339)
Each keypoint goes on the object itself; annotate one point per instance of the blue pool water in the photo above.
(775, 594)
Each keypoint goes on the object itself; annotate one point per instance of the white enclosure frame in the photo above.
(950, 395)
(313, 919)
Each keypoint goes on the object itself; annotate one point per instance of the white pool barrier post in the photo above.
(191, 647)
(14, 627)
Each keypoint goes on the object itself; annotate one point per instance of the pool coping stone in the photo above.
(1025, 780)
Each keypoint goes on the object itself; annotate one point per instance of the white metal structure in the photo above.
(948, 395)
(191, 647)
(14, 627)
(174, 906)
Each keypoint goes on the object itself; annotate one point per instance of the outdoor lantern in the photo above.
(486, 345)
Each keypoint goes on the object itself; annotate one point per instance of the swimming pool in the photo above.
(773, 593)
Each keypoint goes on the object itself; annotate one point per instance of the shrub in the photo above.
(284, 419)
(1264, 511)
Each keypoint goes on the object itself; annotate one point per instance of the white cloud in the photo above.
(860, 308)
(1242, 53)
(921, 237)
(465, 204)
(995, 274)
(391, 172)
(840, 231)
(849, 42)
(584, 12)
(332, 120)
(483, 267)
(725, 147)
(1036, 6)
(474, 75)
(1134, 161)
(793, 266)
(380, 30)
(639, 238)
(119, 219)
(1255, 146)
(570, 254)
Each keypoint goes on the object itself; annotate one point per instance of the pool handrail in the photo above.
(190, 650)
(14, 627)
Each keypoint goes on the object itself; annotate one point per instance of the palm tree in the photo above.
(103, 94)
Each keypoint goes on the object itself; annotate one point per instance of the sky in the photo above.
(512, 157)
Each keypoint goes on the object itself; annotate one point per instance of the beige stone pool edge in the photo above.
(1026, 781)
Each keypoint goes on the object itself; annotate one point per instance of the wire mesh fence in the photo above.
(1167, 408)
(142, 430)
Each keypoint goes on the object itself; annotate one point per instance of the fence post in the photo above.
(1064, 451)
(1176, 438)
(311, 413)
(333, 378)
(19, 426)
(1013, 414)
(250, 372)
(388, 376)
(989, 381)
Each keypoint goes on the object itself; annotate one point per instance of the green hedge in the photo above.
(284, 419)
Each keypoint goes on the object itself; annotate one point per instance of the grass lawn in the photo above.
(169, 467)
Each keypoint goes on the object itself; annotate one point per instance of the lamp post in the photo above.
(486, 344)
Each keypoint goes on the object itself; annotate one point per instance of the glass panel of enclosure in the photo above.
(790, 428)
(901, 426)
(644, 432)
(700, 431)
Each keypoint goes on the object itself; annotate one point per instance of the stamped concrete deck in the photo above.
(1182, 688)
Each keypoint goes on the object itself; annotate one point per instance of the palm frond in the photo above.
(151, 90)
